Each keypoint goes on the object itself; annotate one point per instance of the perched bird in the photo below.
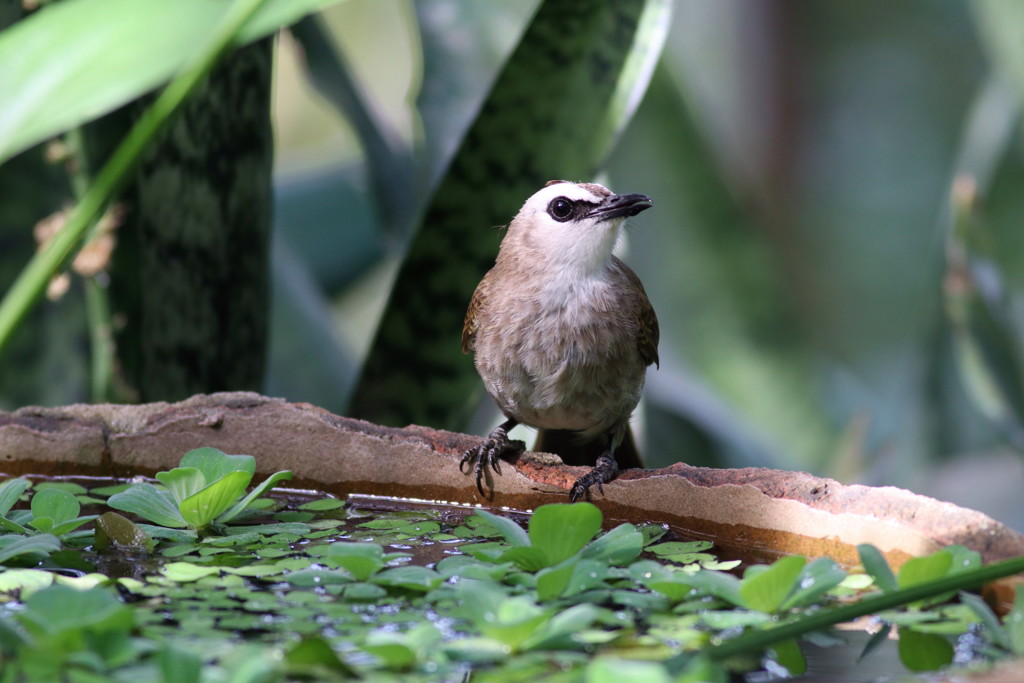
(561, 330)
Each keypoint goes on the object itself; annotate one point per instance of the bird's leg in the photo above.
(605, 469)
(490, 452)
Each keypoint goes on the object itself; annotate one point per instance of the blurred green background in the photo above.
(801, 156)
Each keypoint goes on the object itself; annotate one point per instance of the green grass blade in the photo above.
(32, 281)
(76, 60)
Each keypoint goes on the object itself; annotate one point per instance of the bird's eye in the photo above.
(560, 209)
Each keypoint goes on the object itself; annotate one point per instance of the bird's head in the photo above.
(573, 224)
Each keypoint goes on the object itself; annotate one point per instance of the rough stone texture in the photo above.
(751, 512)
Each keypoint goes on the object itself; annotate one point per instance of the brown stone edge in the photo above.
(750, 510)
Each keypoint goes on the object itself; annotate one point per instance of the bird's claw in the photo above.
(488, 454)
(605, 469)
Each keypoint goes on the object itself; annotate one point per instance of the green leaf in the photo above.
(66, 486)
(816, 579)
(42, 524)
(310, 578)
(586, 575)
(619, 546)
(393, 655)
(927, 568)
(963, 559)
(608, 669)
(27, 581)
(411, 577)
(513, 534)
(182, 482)
(730, 619)
(560, 530)
(170, 534)
(999, 22)
(12, 546)
(60, 608)
(262, 488)
(476, 650)
(465, 566)
(64, 529)
(560, 630)
(315, 653)
(876, 640)
(700, 669)
(361, 560)
(718, 584)
(322, 504)
(389, 162)
(76, 60)
(1014, 625)
(269, 529)
(184, 572)
(364, 592)
(203, 507)
(679, 547)
(766, 590)
(552, 581)
(148, 502)
(10, 525)
(517, 620)
(923, 651)
(816, 620)
(178, 665)
(479, 601)
(675, 588)
(528, 559)
(877, 566)
(788, 654)
(215, 463)
(58, 505)
(10, 492)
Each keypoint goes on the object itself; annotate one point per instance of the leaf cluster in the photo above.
(206, 489)
(52, 511)
(507, 602)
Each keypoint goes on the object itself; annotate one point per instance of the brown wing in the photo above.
(647, 337)
(646, 320)
(469, 324)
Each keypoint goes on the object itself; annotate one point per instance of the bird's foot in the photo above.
(488, 454)
(605, 469)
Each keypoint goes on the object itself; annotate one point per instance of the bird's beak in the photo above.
(621, 205)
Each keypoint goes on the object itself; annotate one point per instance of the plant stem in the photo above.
(31, 283)
(753, 641)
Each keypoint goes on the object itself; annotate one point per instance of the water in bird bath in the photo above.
(377, 587)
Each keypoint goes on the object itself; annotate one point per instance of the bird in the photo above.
(561, 330)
